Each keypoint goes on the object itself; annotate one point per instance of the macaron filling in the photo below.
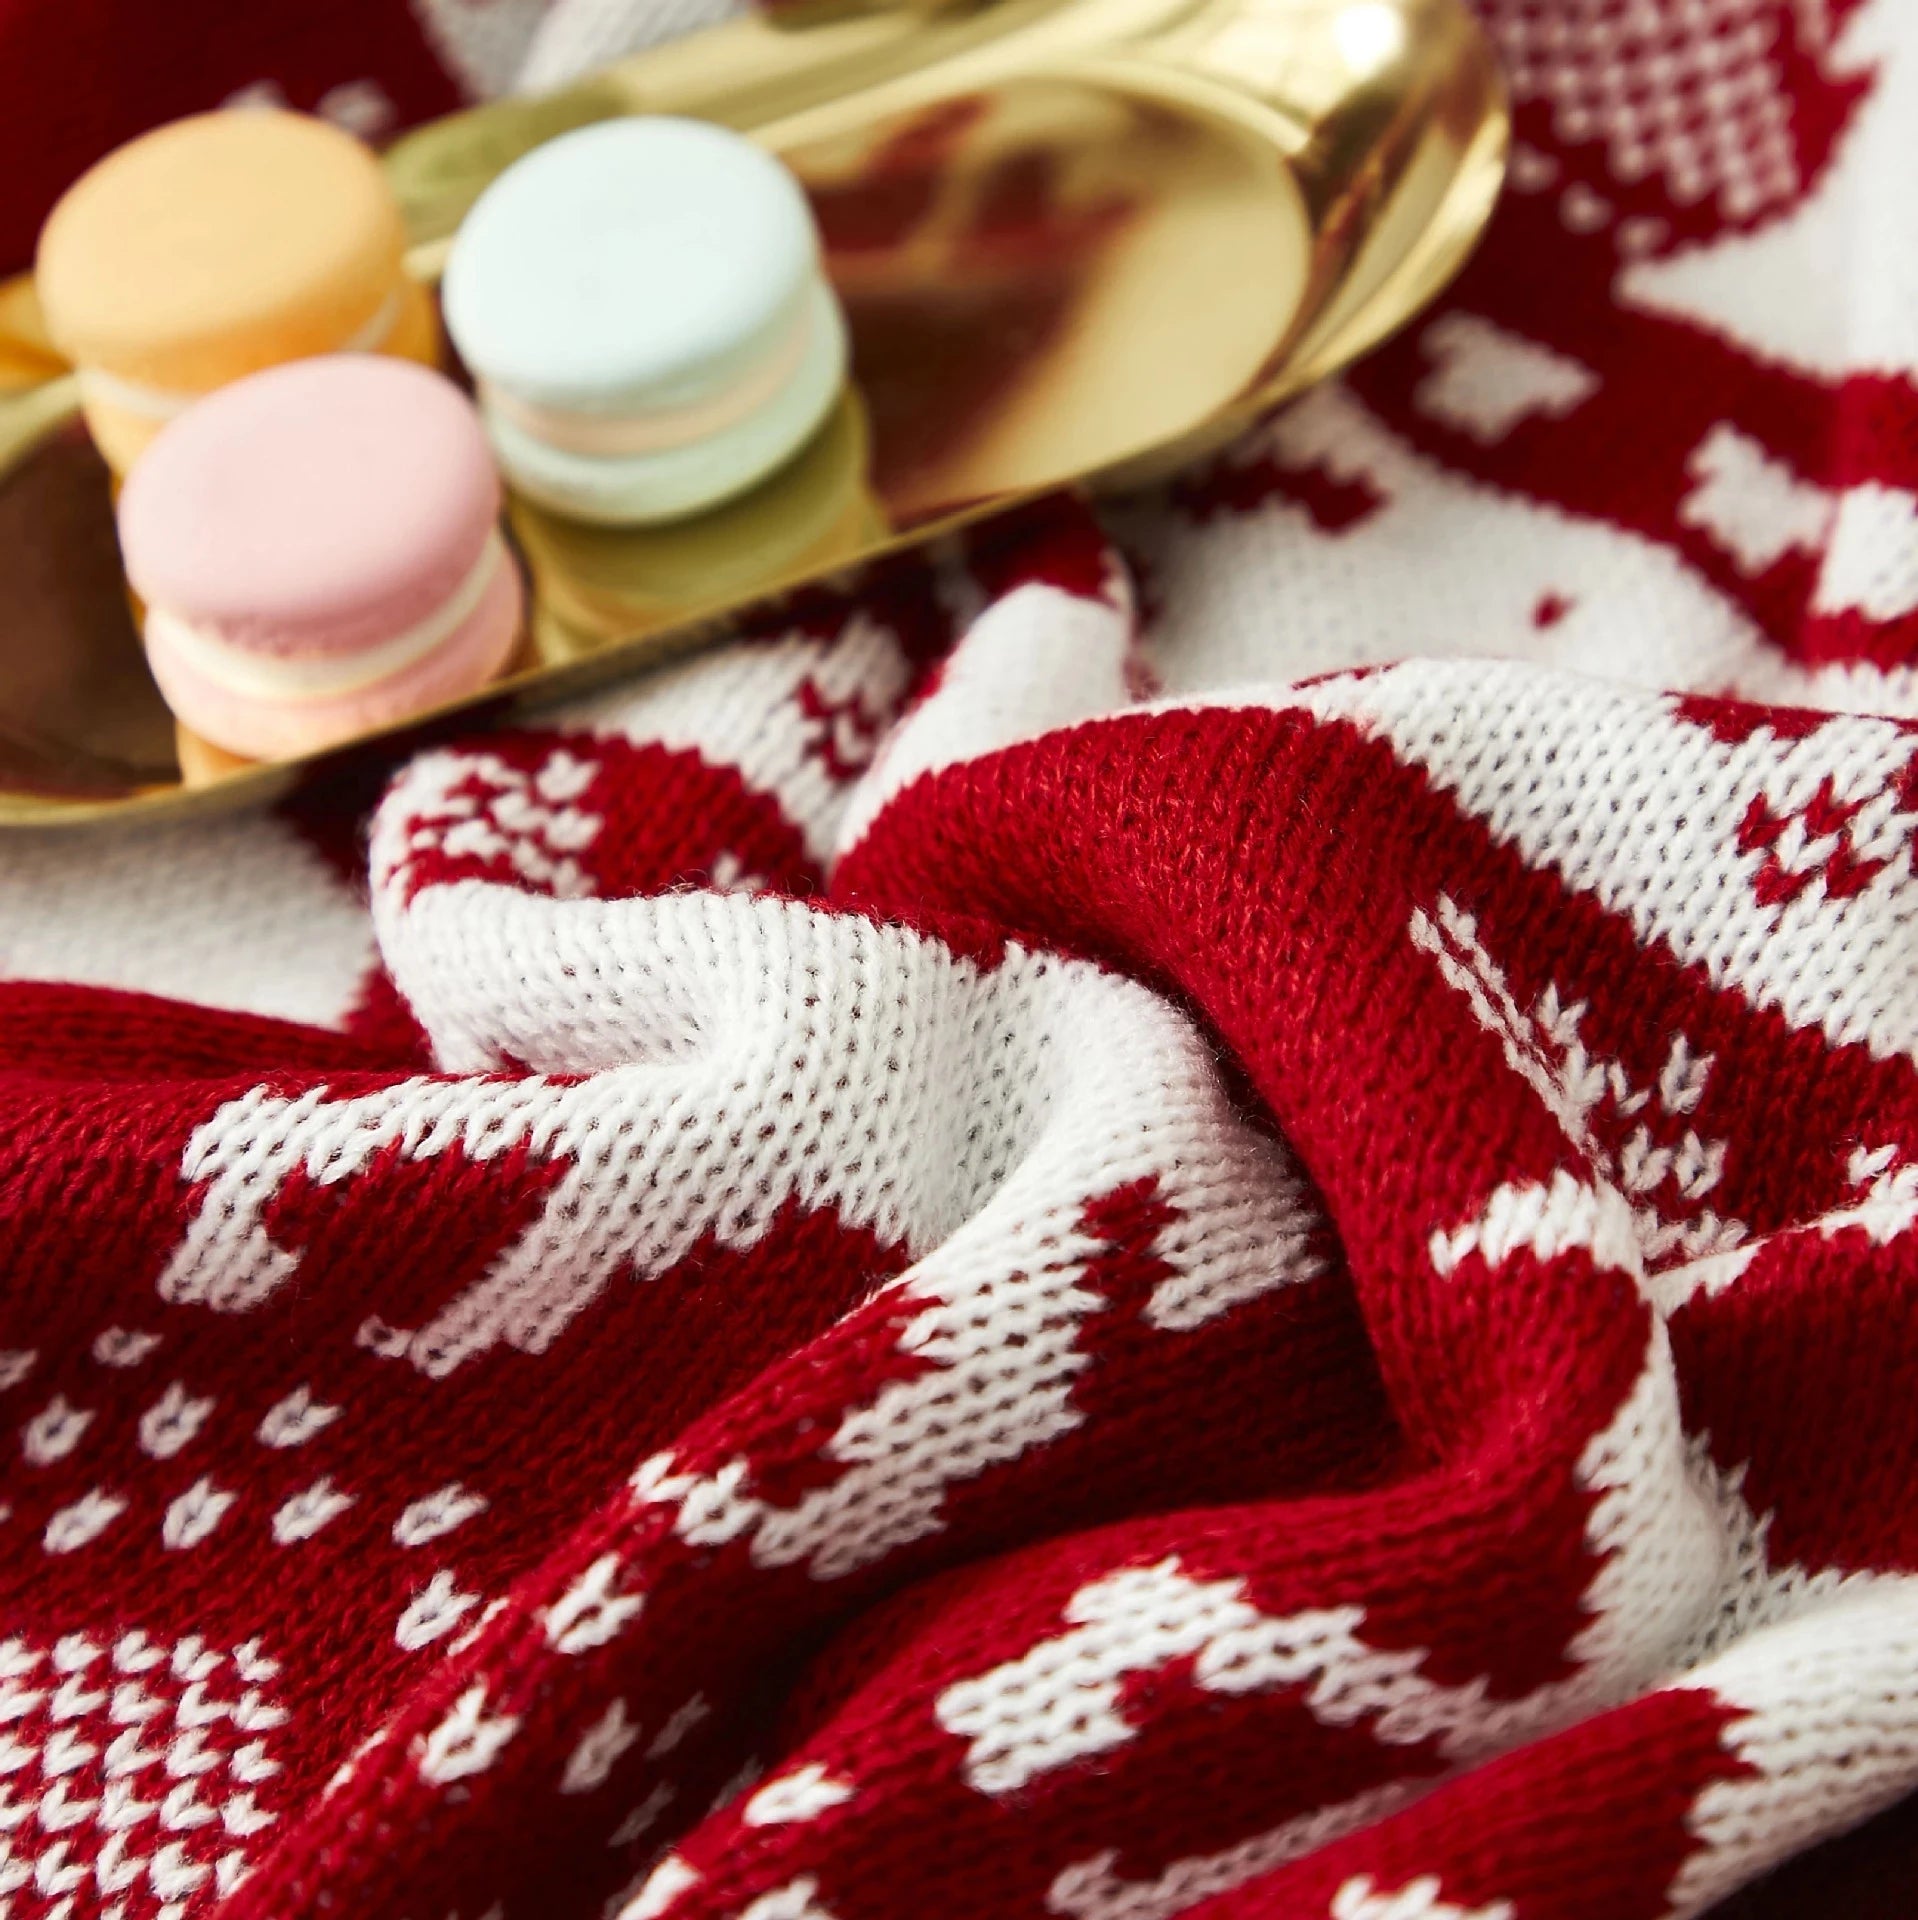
(102, 388)
(312, 678)
(653, 489)
(660, 429)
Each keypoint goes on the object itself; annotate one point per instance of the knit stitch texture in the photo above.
(1210, 1215)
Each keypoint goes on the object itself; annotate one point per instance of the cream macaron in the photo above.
(319, 553)
(215, 246)
(642, 306)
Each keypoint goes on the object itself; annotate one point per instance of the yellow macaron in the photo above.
(216, 246)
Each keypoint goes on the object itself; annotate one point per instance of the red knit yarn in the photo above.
(960, 1259)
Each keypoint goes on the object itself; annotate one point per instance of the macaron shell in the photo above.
(641, 262)
(469, 658)
(217, 245)
(646, 489)
(815, 512)
(315, 509)
(122, 435)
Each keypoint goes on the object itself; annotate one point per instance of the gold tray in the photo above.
(1077, 242)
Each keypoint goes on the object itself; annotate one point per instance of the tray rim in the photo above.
(1477, 181)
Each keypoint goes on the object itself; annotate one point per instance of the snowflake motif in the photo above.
(294, 1421)
(599, 1750)
(121, 1347)
(477, 812)
(1637, 1132)
(1690, 96)
(1819, 839)
(133, 1774)
(467, 1741)
(433, 1613)
(842, 735)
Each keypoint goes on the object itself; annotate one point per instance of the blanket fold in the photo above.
(1207, 1212)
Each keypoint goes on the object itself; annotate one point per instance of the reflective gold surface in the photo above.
(80, 721)
(1076, 240)
(27, 356)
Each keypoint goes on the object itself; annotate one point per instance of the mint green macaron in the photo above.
(642, 306)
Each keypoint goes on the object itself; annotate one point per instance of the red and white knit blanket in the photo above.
(984, 1256)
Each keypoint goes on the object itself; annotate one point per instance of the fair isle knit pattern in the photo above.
(1213, 1218)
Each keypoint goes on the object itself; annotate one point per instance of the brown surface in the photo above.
(78, 712)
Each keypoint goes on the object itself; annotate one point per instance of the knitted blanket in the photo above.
(1207, 1215)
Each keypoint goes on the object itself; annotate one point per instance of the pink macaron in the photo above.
(319, 552)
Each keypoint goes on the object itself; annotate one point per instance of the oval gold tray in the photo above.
(1077, 241)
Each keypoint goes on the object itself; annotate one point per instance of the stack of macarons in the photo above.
(213, 247)
(312, 522)
(319, 551)
(643, 308)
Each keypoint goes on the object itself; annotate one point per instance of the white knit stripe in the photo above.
(1448, 567)
(1060, 1702)
(239, 913)
(1007, 1298)
(710, 1028)
(1625, 800)
(1119, 1091)
(483, 42)
(1754, 1590)
(1828, 1706)
(575, 37)
(1036, 659)
(1543, 1220)
(1661, 1544)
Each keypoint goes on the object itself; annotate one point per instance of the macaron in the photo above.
(592, 585)
(319, 555)
(216, 246)
(642, 306)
